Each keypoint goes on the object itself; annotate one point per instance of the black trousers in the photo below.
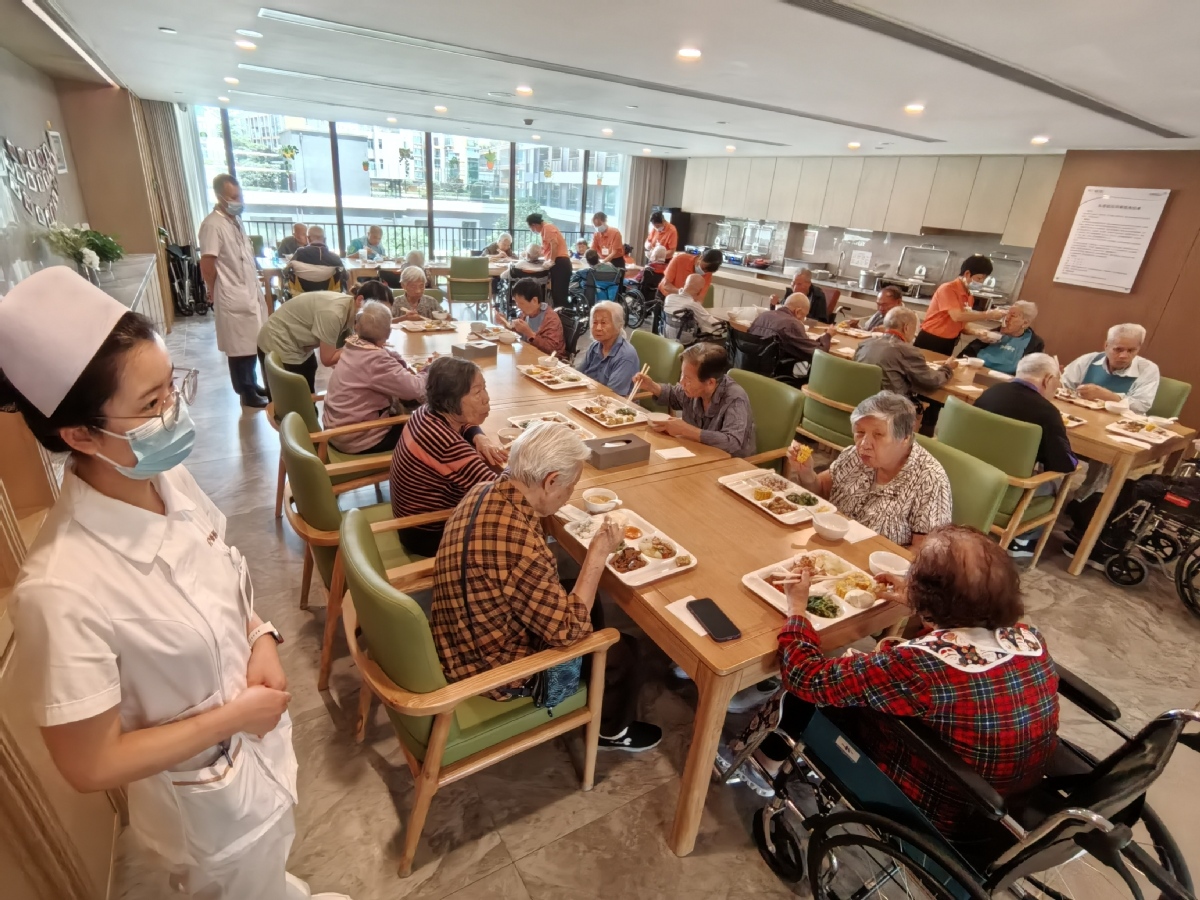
(927, 341)
(622, 679)
(560, 280)
(243, 375)
(387, 442)
(308, 369)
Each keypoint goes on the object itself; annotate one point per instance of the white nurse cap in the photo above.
(51, 325)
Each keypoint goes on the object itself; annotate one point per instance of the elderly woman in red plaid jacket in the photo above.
(980, 678)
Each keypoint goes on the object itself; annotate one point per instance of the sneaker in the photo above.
(261, 391)
(1019, 549)
(1097, 559)
(753, 696)
(747, 774)
(637, 737)
(254, 401)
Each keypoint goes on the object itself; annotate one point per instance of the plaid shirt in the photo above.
(1002, 721)
(514, 604)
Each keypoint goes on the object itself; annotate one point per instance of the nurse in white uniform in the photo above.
(146, 663)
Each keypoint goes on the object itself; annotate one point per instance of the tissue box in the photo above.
(625, 449)
(474, 350)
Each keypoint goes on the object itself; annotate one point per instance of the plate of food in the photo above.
(557, 378)
(493, 333)
(1073, 397)
(611, 412)
(426, 326)
(529, 418)
(1072, 421)
(785, 500)
(843, 328)
(644, 555)
(833, 579)
(1142, 429)
(418, 363)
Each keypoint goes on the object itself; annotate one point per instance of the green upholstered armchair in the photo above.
(835, 386)
(777, 409)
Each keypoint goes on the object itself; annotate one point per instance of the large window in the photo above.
(480, 187)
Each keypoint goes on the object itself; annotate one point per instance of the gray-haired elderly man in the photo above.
(785, 323)
(1017, 339)
(1117, 372)
(905, 369)
(497, 595)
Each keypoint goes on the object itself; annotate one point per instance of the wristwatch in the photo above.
(265, 628)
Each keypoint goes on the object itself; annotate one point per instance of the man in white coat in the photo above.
(227, 266)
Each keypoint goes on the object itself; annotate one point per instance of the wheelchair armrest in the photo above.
(924, 740)
(1085, 696)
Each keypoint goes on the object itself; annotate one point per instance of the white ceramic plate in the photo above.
(744, 483)
(423, 327)
(525, 420)
(654, 569)
(834, 564)
(553, 378)
(1149, 432)
(604, 411)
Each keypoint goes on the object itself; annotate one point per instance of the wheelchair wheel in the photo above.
(1162, 546)
(1125, 570)
(1187, 578)
(858, 854)
(635, 309)
(778, 844)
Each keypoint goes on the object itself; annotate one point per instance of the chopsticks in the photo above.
(645, 369)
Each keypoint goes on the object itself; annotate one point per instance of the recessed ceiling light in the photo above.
(223, 99)
(229, 79)
(246, 32)
(915, 108)
(536, 137)
(631, 106)
(606, 131)
(439, 109)
(646, 150)
(688, 53)
(165, 30)
(854, 145)
(392, 119)
(730, 147)
(524, 90)
(246, 45)
(1040, 139)
(500, 94)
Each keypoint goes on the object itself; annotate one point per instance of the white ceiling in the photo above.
(1141, 58)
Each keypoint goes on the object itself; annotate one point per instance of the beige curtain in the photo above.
(646, 182)
(170, 187)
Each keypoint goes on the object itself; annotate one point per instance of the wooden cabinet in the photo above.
(1034, 192)
(714, 187)
(810, 195)
(737, 181)
(693, 184)
(874, 192)
(910, 194)
(951, 191)
(844, 175)
(758, 192)
(783, 188)
(992, 193)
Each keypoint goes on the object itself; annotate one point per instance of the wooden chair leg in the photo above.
(427, 784)
(591, 740)
(365, 696)
(279, 482)
(333, 614)
(306, 582)
(1059, 502)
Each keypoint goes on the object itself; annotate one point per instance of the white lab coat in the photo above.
(238, 303)
(117, 606)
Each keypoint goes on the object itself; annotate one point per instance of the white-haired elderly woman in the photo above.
(610, 359)
(370, 381)
(513, 603)
(413, 303)
(501, 247)
(886, 480)
(1117, 372)
(1016, 341)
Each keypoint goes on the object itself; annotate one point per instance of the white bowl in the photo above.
(859, 599)
(440, 315)
(509, 434)
(657, 418)
(1120, 407)
(599, 500)
(477, 327)
(973, 361)
(881, 562)
(506, 337)
(548, 362)
(831, 526)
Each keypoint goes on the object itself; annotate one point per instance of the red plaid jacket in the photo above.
(1002, 721)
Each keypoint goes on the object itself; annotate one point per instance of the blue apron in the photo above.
(1099, 374)
(1004, 355)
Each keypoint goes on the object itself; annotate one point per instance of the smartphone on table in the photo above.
(715, 622)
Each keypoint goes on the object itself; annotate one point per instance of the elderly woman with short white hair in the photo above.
(531, 260)
(611, 359)
(413, 303)
(885, 480)
(497, 595)
(501, 247)
(1117, 372)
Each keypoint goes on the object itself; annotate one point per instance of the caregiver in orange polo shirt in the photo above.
(556, 255)
(662, 234)
(607, 241)
(951, 308)
(684, 264)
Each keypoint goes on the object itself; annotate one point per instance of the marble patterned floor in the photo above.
(523, 829)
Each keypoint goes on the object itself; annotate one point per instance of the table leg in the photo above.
(715, 693)
(1120, 469)
(269, 292)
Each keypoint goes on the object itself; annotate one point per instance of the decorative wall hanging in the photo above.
(32, 176)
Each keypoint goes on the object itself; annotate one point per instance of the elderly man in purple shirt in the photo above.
(786, 325)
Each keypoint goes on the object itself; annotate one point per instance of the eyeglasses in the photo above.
(183, 386)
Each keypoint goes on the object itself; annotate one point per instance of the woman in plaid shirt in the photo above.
(983, 681)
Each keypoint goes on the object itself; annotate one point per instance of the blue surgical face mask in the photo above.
(234, 207)
(157, 447)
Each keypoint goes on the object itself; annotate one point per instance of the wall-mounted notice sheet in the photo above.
(1108, 240)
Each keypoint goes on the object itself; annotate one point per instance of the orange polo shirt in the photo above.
(680, 267)
(951, 295)
(669, 237)
(611, 241)
(554, 245)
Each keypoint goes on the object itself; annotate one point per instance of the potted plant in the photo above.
(71, 243)
(106, 248)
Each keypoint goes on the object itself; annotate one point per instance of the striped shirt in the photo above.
(433, 467)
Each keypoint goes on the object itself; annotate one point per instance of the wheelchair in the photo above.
(682, 327)
(1085, 831)
(585, 292)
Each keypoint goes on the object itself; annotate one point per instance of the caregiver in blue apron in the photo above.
(135, 626)
(1117, 373)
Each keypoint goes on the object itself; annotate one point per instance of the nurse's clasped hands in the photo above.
(258, 709)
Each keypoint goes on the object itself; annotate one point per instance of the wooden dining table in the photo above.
(693, 509)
